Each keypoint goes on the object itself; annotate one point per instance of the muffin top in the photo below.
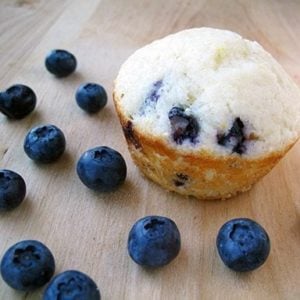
(210, 89)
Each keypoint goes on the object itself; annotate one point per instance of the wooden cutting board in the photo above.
(88, 231)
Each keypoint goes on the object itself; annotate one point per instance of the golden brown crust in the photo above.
(199, 174)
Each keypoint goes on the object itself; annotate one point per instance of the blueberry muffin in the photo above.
(205, 112)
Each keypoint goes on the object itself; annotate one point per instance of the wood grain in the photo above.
(88, 231)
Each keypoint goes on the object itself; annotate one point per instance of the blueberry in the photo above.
(243, 244)
(60, 62)
(102, 169)
(72, 285)
(17, 101)
(155, 92)
(154, 95)
(183, 126)
(235, 138)
(12, 190)
(91, 97)
(154, 241)
(181, 179)
(45, 143)
(27, 265)
(130, 135)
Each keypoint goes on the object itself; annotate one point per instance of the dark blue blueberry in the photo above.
(17, 101)
(155, 92)
(45, 143)
(131, 135)
(180, 179)
(72, 285)
(183, 126)
(102, 169)
(91, 97)
(243, 244)
(154, 241)
(12, 190)
(235, 138)
(153, 96)
(60, 63)
(27, 265)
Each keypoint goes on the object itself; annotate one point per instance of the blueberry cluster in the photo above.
(153, 241)
(242, 244)
(102, 169)
(29, 264)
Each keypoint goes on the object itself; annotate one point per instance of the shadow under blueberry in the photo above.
(26, 206)
(244, 278)
(74, 78)
(33, 295)
(14, 214)
(127, 194)
(36, 117)
(166, 270)
(104, 115)
(33, 118)
(63, 164)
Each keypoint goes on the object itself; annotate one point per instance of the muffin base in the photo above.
(200, 174)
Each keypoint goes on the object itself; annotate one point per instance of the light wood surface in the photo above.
(88, 231)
